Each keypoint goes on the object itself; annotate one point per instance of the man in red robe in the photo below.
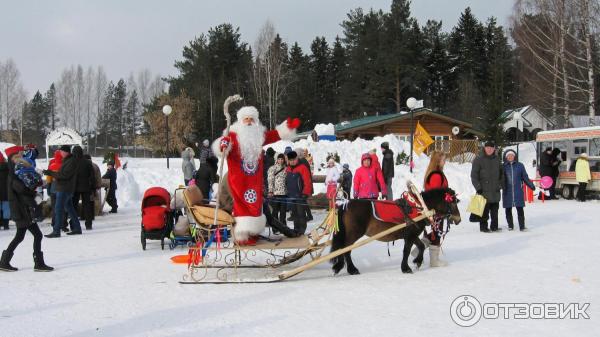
(245, 141)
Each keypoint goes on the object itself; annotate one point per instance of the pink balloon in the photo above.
(546, 182)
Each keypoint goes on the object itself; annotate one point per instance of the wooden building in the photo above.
(437, 125)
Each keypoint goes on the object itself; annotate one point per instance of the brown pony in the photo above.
(356, 219)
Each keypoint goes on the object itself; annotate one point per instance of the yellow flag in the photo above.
(422, 139)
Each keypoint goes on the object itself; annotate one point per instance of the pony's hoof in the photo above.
(418, 261)
(407, 271)
(353, 272)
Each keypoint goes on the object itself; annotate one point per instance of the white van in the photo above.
(573, 142)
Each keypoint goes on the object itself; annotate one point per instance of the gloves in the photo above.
(293, 123)
(225, 141)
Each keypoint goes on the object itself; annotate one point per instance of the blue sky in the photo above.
(43, 37)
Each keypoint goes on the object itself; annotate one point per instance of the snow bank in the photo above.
(325, 129)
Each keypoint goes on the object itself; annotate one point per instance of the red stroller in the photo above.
(157, 218)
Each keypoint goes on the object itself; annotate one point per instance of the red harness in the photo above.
(389, 211)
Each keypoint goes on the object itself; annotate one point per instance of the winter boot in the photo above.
(4, 224)
(415, 250)
(434, 257)
(40, 265)
(5, 261)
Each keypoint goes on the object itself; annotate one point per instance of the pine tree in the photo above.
(437, 67)
(337, 75)
(35, 120)
(117, 125)
(50, 104)
(321, 89)
(131, 118)
(295, 102)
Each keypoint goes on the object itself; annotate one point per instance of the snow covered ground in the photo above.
(105, 285)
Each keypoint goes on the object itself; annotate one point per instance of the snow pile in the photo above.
(325, 129)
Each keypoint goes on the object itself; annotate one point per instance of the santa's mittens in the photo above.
(293, 123)
(225, 142)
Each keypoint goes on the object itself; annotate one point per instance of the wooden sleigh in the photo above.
(268, 260)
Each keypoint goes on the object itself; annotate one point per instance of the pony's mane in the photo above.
(436, 194)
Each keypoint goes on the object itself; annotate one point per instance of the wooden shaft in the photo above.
(287, 274)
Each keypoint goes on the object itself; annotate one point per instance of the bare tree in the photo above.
(157, 87)
(270, 56)
(12, 92)
(143, 85)
(88, 96)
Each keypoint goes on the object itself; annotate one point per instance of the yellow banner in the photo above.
(422, 139)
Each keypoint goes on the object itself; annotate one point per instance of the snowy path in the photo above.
(105, 285)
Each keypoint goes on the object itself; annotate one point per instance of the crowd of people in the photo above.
(71, 176)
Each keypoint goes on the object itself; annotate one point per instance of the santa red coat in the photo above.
(246, 183)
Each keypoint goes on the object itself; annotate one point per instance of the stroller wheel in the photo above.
(143, 239)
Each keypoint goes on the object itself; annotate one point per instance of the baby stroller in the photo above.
(157, 218)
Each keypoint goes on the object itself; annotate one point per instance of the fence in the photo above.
(456, 150)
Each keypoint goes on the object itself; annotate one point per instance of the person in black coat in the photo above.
(549, 168)
(206, 176)
(347, 180)
(66, 184)
(387, 168)
(111, 197)
(4, 206)
(85, 185)
(22, 205)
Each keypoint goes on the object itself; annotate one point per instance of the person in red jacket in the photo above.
(368, 181)
(435, 178)
(299, 187)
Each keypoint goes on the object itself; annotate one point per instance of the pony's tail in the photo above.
(338, 241)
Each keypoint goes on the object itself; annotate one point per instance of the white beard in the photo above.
(250, 140)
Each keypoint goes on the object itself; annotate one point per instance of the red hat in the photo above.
(12, 150)
(365, 156)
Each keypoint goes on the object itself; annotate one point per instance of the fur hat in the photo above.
(247, 111)
(583, 155)
(510, 151)
(13, 150)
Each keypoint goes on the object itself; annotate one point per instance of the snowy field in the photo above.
(105, 285)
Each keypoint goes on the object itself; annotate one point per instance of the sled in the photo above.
(273, 261)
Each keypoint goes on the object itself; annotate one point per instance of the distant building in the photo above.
(437, 125)
(532, 121)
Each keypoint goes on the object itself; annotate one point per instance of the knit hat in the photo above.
(365, 156)
(385, 145)
(583, 155)
(65, 148)
(270, 152)
(490, 143)
(346, 166)
(247, 111)
(509, 151)
(287, 150)
(13, 150)
(292, 155)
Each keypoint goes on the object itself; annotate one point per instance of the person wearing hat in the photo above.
(277, 191)
(548, 167)
(299, 187)
(346, 180)
(331, 180)
(368, 180)
(487, 177)
(205, 151)
(244, 144)
(583, 175)
(515, 176)
(188, 167)
(111, 197)
(22, 205)
(66, 185)
(387, 167)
